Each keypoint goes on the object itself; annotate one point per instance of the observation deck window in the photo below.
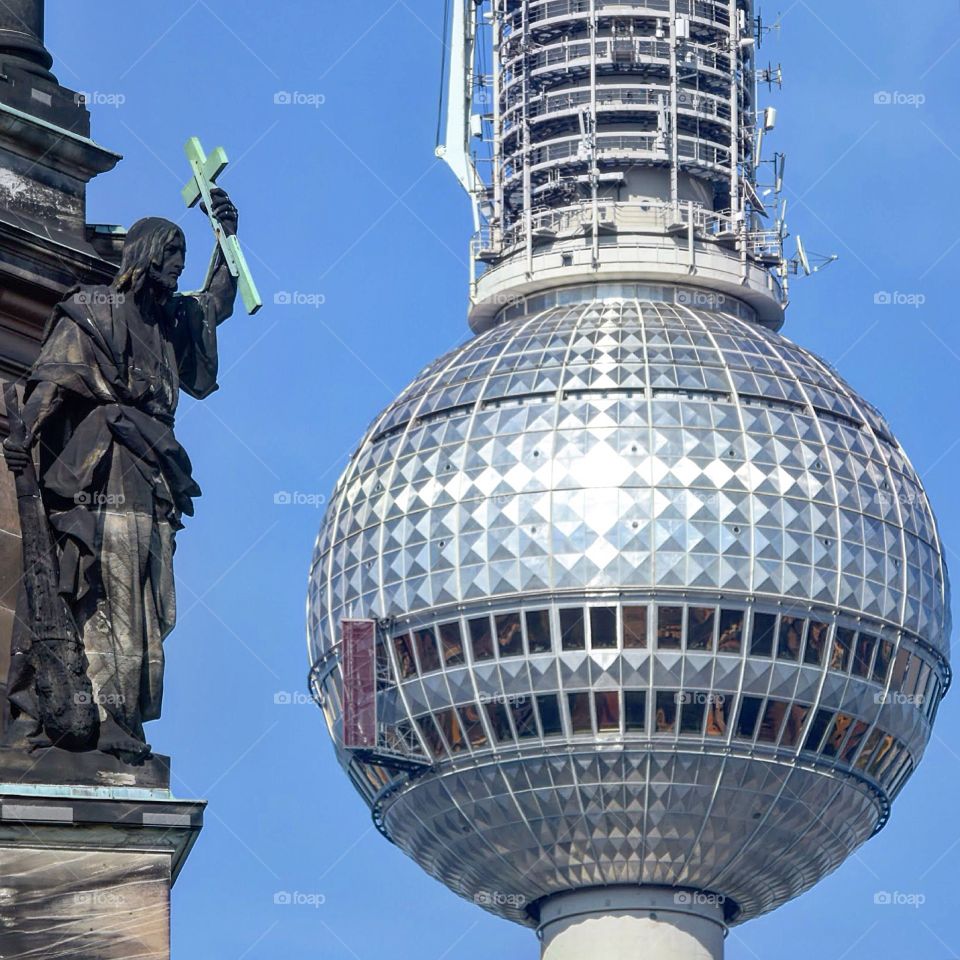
(748, 718)
(603, 628)
(669, 628)
(509, 635)
(816, 643)
(666, 716)
(790, 638)
(572, 629)
(731, 631)
(550, 720)
(700, 628)
(481, 639)
(761, 643)
(452, 643)
(538, 631)
(635, 628)
(635, 711)
(427, 650)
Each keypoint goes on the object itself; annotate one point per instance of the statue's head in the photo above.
(153, 255)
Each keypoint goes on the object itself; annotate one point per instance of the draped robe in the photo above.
(115, 483)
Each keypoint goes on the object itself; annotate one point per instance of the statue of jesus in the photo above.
(99, 406)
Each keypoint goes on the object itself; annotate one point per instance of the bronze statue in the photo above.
(114, 483)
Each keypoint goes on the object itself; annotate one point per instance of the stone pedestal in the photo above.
(86, 871)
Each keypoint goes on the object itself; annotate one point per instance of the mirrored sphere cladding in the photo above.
(662, 599)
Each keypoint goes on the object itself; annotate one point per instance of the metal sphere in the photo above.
(662, 602)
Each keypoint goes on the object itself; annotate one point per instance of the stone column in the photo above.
(21, 36)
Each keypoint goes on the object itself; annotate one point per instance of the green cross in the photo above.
(205, 172)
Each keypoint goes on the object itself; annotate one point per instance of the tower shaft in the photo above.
(631, 923)
(617, 142)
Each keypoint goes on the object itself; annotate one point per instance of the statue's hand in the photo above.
(223, 210)
(16, 454)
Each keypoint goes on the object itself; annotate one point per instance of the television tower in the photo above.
(629, 617)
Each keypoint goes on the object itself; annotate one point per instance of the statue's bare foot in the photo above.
(119, 743)
(25, 734)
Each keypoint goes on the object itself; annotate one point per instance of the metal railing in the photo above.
(703, 104)
(558, 9)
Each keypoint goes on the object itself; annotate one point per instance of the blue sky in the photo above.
(344, 204)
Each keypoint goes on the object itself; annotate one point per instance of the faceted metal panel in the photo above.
(511, 514)
(625, 443)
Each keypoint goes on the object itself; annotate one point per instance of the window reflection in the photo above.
(408, 667)
(499, 724)
(790, 638)
(669, 627)
(635, 710)
(666, 715)
(700, 622)
(635, 628)
(796, 718)
(749, 716)
(481, 638)
(842, 646)
(571, 629)
(849, 750)
(772, 719)
(838, 733)
(452, 643)
(693, 704)
(549, 708)
(450, 728)
(816, 643)
(761, 644)
(432, 736)
(607, 703)
(509, 635)
(472, 724)
(863, 658)
(579, 703)
(603, 628)
(718, 715)
(427, 649)
(538, 631)
(882, 662)
(818, 729)
(731, 631)
(524, 719)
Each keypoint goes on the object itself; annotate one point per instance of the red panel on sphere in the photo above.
(359, 684)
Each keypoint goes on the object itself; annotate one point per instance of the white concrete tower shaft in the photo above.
(612, 142)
